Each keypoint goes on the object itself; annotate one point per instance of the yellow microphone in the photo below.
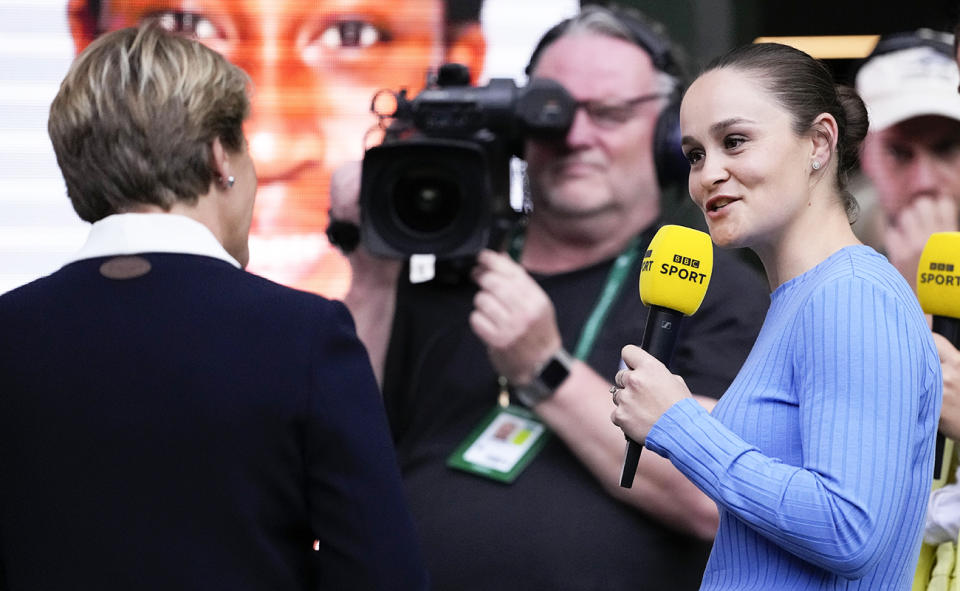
(674, 276)
(938, 289)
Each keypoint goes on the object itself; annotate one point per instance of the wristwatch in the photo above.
(546, 379)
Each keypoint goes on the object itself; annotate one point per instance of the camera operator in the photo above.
(534, 319)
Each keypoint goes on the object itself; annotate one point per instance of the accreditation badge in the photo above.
(502, 445)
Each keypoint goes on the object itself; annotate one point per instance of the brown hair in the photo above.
(135, 118)
(805, 88)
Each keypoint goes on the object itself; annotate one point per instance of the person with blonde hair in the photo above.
(168, 420)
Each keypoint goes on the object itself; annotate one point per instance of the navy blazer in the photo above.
(196, 427)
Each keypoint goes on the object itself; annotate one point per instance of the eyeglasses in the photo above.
(611, 115)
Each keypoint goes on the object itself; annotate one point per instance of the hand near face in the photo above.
(908, 232)
(372, 292)
(345, 192)
(369, 271)
(513, 316)
(649, 390)
(950, 365)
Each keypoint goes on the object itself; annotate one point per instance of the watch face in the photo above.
(554, 373)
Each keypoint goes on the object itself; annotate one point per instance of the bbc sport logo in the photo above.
(686, 261)
(940, 274)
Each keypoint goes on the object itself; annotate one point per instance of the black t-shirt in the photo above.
(554, 527)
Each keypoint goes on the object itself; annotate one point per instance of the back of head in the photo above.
(805, 88)
(910, 74)
(134, 119)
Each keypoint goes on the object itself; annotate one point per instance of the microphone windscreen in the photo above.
(938, 275)
(676, 269)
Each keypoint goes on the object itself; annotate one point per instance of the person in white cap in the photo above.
(912, 153)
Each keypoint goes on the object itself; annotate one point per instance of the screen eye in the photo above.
(351, 33)
(189, 24)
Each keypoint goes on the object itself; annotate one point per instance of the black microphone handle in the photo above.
(659, 340)
(950, 329)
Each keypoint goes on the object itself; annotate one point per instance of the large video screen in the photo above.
(315, 65)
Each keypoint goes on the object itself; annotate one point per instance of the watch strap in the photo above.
(546, 380)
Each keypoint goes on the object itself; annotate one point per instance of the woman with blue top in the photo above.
(820, 453)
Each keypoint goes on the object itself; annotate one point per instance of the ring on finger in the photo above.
(614, 390)
(618, 379)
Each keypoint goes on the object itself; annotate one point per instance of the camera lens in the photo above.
(426, 202)
(426, 196)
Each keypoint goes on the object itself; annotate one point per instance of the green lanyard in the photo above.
(608, 295)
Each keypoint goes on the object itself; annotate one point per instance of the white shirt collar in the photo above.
(133, 233)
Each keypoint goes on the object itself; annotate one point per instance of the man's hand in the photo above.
(373, 280)
(345, 192)
(513, 316)
(369, 271)
(908, 232)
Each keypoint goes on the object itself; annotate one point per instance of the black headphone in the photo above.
(671, 165)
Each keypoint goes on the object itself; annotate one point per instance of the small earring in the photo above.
(816, 165)
(228, 183)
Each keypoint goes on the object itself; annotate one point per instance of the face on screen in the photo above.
(315, 65)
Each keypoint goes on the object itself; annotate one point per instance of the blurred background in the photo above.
(710, 27)
(38, 228)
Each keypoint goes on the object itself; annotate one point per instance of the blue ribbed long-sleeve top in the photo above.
(820, 454)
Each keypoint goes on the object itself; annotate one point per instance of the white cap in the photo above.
(909, 83)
